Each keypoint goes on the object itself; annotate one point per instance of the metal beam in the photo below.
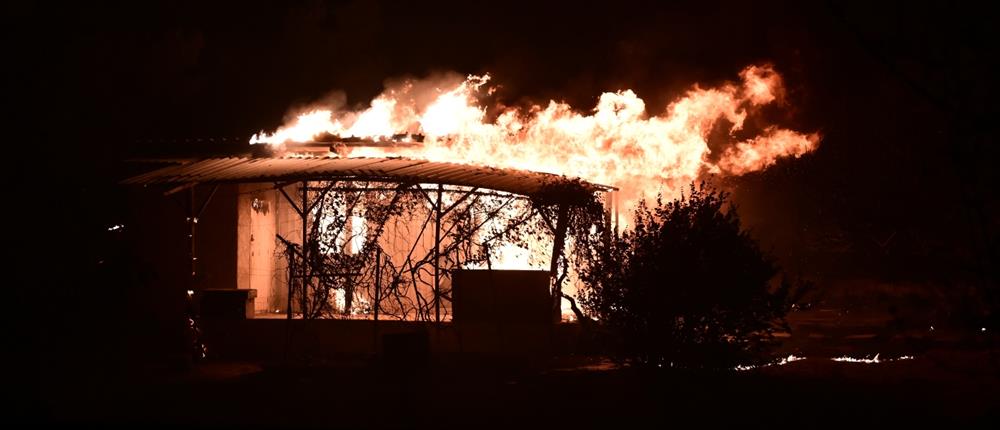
(289, 198)
(411, 188)
(204, 204)
(426, 196)
(179, 188)
(322, 194)
(457, 202)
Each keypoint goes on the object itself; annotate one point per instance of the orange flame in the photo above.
(618, 143)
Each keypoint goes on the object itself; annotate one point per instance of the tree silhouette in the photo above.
(686, 287)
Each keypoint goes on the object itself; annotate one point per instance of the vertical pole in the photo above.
(378, 279)
(437, 257)
(305, 253)
(378, 286)
(615, 208)
(348, 250)
(192, 224)
(609, 210)
(192, 219)
(194, 212)
(557, 250)
(291, 275)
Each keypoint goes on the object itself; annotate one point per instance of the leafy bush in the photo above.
(686, 286)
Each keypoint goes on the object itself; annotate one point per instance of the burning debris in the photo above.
(843, 359)
(791, 358)
(873, 360)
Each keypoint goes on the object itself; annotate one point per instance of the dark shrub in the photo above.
(686, 286)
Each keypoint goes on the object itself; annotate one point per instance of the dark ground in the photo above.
(952, 379)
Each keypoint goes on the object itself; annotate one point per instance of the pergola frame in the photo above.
(422, 184)
(433, 195)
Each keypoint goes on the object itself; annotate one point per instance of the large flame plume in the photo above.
(617, 143)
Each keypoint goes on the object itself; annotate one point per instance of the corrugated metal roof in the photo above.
(240, 169)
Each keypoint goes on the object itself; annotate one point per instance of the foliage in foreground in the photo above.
(686, 287)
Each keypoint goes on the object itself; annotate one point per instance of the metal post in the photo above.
(378, 286)
(192, 223)
(348, 250)
(557, 249)
(615, 208)
(192, 314)
(378, 278)
(291, 264)
(305, 254)
(288, 313)
(437, 257)
(194, 212)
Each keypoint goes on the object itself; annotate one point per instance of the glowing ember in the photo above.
(873, 360)
(618, 143)
(844, 358)
(791, 358)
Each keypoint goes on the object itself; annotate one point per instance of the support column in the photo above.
(192, 220)
(437, 257)
(305, 253)
(348, 250)
(378, 280)
(194, 212)
(377, 298)
(558, 244)
(302, 213)
(615, 207)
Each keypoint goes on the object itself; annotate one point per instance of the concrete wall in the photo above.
(263, 213)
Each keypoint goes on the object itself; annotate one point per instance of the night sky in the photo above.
(901, 188)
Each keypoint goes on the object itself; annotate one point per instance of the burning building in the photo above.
(368, 214)
(352, 237)
(381, 239)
